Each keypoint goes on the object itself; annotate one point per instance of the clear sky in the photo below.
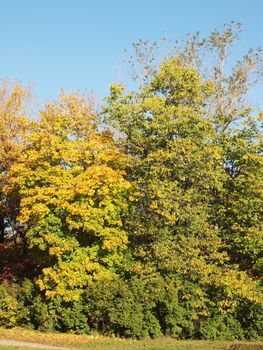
(79, 44)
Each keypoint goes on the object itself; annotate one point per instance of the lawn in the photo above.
(102, 343)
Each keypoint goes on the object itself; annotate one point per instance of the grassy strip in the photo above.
(96, 342)
(7, 347)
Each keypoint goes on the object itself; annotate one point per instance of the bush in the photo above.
(220, 327)
(44, 317)
(251, 319)
(134, 308)
(175, 319)
(122, 308)
(73, 318)
(56, 315)
(15, 304)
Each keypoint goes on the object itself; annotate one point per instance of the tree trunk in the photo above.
(2, 230)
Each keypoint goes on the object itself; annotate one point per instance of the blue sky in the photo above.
(78, 44)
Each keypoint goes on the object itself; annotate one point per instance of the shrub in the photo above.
(221, 327)
(15, 304)
(251, 318)
(122, 308)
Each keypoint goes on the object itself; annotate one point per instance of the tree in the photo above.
(177, 170)
(147, 218)
(73, 194)
(13, 125)
(239, 206)
(210, 57)
(238, 131)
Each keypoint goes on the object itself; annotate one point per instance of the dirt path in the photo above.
(30, 344)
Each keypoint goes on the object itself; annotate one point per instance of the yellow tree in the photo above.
(71, 181)
(13, 124)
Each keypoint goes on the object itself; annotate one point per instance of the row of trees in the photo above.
(144, 218)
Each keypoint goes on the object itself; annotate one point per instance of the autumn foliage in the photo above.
(144, 218)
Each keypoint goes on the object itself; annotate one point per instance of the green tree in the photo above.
(239, 206)
(178, 169)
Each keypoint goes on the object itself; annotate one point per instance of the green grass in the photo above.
(96, 342)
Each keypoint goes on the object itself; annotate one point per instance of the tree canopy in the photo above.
(144, 217)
